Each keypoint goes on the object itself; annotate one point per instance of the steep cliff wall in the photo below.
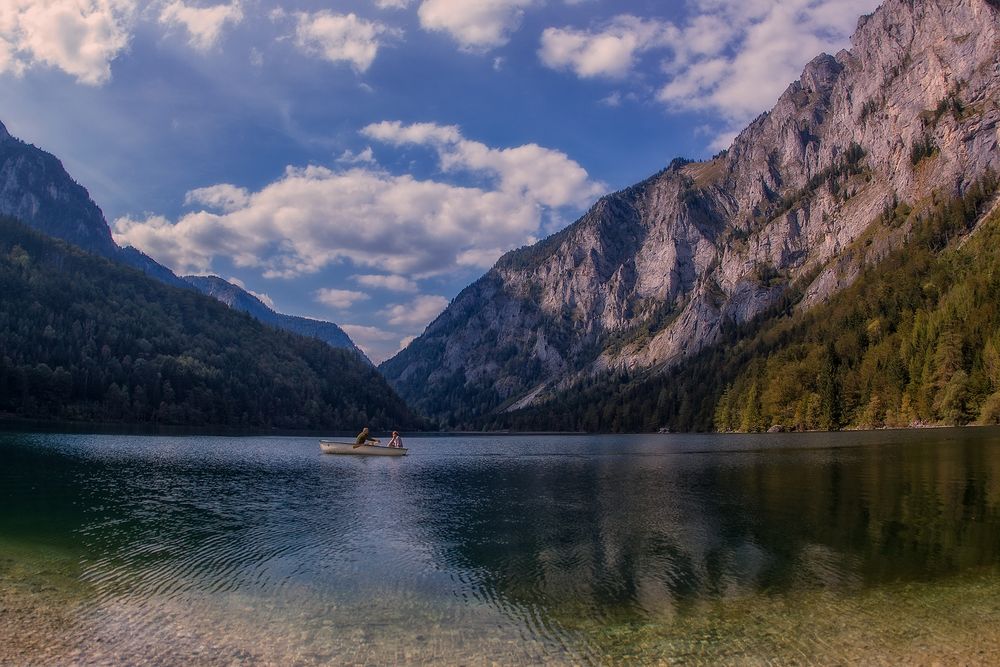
(651, 273)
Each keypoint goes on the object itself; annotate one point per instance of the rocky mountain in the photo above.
(36, 189)
(239, 299)
(653, 274)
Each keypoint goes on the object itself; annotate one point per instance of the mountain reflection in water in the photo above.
(476, 549)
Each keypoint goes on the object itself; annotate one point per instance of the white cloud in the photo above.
(731, 58)
(222, 197)
(770, 43)
(610, 52)
(366, 156)
(313, 217)
(341, 37)
(417, 314)
(203, 24)
(405, 343)
(339, 298)
(477, 25)
(391, 283)
(359, 332)
(378, 344)
(79, 37)
(392, 4)
(613, 100)
(539, 175)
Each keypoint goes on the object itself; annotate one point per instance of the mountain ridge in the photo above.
(240, 299)
(36, 189)
(651, 274)
(83, 338)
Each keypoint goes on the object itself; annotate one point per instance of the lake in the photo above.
(876, 547)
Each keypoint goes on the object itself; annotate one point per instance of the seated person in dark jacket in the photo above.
(364, 437)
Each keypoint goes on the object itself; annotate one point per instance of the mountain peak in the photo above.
(36, 190)
(820, 72)
(652, 275)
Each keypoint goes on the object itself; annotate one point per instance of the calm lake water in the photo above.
(818, 548)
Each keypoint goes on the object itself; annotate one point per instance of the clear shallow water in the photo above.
(825, 548)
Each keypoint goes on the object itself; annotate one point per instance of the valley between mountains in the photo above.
(835, 267)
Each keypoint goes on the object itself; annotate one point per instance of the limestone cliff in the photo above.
(651, 273)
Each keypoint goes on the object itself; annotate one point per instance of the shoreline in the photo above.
(9, 424)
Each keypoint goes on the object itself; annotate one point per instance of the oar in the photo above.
(360, 444)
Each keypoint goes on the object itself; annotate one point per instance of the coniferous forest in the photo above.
(82, 338)
(915, 340)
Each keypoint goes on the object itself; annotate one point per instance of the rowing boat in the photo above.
(333, 447)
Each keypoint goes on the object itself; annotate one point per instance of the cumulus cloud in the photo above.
(392, 4)
(770, 43)
(222, 197)
(79, 37)
(477, 25)
(203, 24)
(540, 175)
(338, 298)
(366, 156)
(359, 332)
(609, 52)
(378, 344)
(730, 58)
(418, 313)
(391, 283)
(341, 37)
(312, 217)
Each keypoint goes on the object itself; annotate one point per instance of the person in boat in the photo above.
(365, 438)
(396, 441)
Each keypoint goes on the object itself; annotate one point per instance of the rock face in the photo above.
(36, 189)
(651, 273)
(241, 300)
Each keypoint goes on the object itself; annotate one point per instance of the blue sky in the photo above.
(361, 162)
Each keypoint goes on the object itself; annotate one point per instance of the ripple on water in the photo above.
(626, 551)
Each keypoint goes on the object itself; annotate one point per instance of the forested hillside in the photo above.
(239, 299)
(657, 273)
(915, 340)
(82, 338)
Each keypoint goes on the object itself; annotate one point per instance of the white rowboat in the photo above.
(333, 447)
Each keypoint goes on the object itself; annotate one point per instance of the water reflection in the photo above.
(658, 533)
(516, 549)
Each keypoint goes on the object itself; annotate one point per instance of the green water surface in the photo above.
(877, 548)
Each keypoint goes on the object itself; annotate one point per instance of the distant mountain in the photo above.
(807, 197)
(36, 189)
(84, 338)
(239, 299)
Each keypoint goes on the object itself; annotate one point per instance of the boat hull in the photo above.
(332, 447)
